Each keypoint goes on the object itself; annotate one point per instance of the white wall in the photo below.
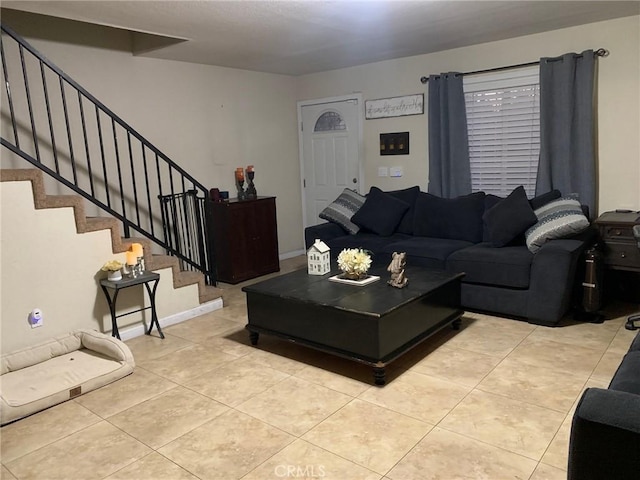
(618, 100)
(47, 265)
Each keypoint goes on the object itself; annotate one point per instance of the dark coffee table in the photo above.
(372, 324)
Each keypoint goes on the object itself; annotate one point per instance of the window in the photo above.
(503, 120)
(329, 121)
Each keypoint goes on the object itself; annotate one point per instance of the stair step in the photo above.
(209, 293)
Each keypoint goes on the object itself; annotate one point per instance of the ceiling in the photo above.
(300, 37)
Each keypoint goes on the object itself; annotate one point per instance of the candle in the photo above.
(132, 259)
(239, 175)
(250, 168)
(137, 249)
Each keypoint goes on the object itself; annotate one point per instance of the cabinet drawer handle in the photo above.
(623, 255)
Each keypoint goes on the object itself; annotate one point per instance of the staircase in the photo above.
(137, 192)
(119, 244)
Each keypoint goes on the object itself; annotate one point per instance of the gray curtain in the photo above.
(449, 170)
(567, 153)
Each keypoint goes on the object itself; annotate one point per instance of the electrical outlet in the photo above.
(35, 318)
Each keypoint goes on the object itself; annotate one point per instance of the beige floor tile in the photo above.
(164, 418)
(188, 363)
(490, 336)
(572, 359)
(294, 405)
(339, 374)
(444, 455)
(557, 454)
(234, 343)
(280, 355)
(419, 396)
(228, 447)
(537, 385)
(31, 433)
(202, 327)
(608, 365)
(141, 385)
(6, 474)
(456, 365)
(236, 381)
(152, 467)
(368, 435)
(235, 312)
(95, 452)
(516, 426)
(305, 461)
(597, 336)
(622, 340)
(547, 472)
(148, 347)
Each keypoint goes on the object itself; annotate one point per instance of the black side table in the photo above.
(126, 282)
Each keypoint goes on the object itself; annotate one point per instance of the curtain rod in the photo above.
(601, 52)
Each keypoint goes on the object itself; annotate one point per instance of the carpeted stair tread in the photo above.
(209, 293)
(158, 262)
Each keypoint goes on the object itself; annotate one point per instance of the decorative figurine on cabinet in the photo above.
(318, 258)
(396, 267)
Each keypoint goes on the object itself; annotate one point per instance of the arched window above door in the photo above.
(329, 121)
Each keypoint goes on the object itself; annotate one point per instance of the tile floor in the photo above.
(491, 401)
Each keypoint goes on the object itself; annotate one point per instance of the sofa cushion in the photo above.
(557, 219)
(381, 213)
(485, 264)
(434, 250)
(449, 218)
(509, 218)
(542, 200)
(409, 196)
(635, 345)
(368, 241)
(627, 377)
(342, 209)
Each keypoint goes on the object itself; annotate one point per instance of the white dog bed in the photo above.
(52, 372)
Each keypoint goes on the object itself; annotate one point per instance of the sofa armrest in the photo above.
(323, 231)
(605, 436)
(551, 286)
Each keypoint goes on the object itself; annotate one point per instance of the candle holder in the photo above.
(134, 270)
(251, 189)
(242, 195)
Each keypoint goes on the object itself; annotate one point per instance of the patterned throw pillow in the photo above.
(343, 208)
(557, 219)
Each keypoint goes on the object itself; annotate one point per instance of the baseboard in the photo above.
(295, 253)
(139, 329)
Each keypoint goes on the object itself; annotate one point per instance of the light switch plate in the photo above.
(395, 171)
(383, 171)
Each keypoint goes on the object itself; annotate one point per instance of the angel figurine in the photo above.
(396, 267)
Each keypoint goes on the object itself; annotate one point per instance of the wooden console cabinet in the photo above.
(245, 238)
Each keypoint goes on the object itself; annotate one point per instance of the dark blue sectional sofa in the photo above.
(453, 234)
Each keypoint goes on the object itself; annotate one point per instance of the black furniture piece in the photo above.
(372, 324)
(605, 432)
(144, 279)
(245, 238)
(631, 321)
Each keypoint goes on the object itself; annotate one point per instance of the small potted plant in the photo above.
(113, 268)
(354, 263)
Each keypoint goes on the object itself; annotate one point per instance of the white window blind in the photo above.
(503, 118)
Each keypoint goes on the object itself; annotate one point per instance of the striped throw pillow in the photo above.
(557, 219)
(343, 208)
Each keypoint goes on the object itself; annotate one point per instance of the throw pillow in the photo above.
(489, 201)
(453, 218)
(557, 219)
(409, 196)
(342, 209)
(542, 200)
(381, 213)
(509, 218)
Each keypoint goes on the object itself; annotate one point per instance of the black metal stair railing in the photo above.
(55, 124)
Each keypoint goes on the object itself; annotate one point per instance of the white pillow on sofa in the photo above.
(557, 219)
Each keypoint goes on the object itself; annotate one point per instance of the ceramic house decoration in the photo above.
(318, 258)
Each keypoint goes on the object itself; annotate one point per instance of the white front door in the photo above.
(330, 139)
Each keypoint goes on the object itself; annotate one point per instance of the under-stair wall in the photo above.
(47, 264)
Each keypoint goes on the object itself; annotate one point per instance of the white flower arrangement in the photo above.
(111, 266)
(354, 261)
